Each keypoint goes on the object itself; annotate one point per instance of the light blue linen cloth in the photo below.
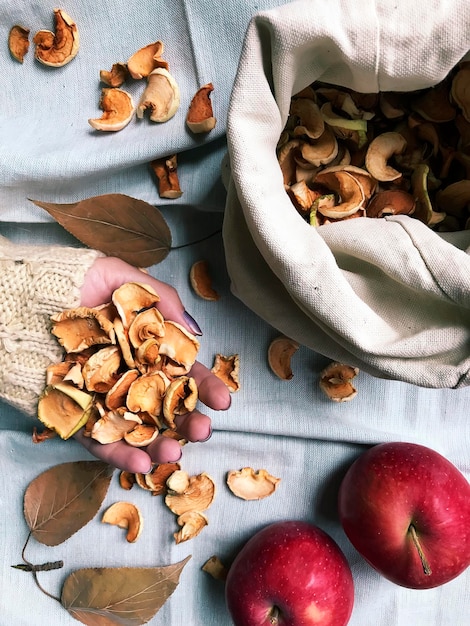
(289, 428)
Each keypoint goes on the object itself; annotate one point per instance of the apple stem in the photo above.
(274, 615)
(426, 567)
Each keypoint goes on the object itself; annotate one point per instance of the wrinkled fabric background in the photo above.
(288, 428)
(389, 296)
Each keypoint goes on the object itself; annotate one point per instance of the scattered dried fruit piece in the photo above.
(280, 352)
(142, 435)
(161, 96)
(59, 48)
(126, 479)
(18, 42)
(116, 76)
(100, 371)
(249, 484)
(180, 397)
(80, 328)
(166, 172)
(215, 568)
(227, 368)
(189, 493)
(125, 515)
(113, 426)
(200, 117)
(335, 381)
(201, 281)
(44, 435)
(118, 110)
(130, 298)
(64, 409)
(380, 149)
(156, 480)
(179, 345)
(145, 60)
(191, 522)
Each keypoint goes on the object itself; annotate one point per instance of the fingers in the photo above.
(118, 454)
(108, 273)
(194, 426)
(212, 391)
(165, 450)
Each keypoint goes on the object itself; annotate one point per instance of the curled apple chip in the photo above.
(132, 297)
(166, 173)
(180, 397)
(64, 408)
(191, 522)
(116, 76)
(59, 48)
(335, 381)
(200, 117)
(142, 435)
(156, 480)
(201, 281)
(18, 42)
(215, 568)
(280, 353)
(125, 515)
(189, 493)
(126, 480)
(80, 328)
(145, 60)
(118, 110)
(227, 368)
(249, 484)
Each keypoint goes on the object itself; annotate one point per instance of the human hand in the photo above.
(105, 275)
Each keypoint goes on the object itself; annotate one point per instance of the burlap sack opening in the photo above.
(390, 296)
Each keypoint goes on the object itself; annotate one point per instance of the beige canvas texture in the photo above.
(390, 296)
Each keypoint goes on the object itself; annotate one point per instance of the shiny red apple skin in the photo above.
(296, 567)
(394, 485)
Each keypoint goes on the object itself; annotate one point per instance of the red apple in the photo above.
(290, 573)
(406, 509)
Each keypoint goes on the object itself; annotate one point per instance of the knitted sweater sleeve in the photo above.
(35, 282)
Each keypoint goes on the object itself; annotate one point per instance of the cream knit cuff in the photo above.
(35, 282)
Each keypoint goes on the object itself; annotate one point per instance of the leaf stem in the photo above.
(35, 568)
(192, 243)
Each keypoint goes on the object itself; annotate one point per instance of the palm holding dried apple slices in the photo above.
(125, 374)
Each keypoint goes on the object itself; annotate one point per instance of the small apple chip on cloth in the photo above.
(249, 484)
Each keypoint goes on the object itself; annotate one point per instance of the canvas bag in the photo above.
(390, 296)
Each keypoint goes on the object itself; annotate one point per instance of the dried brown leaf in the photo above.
(64, 498)
(127, 596)
(117, 225)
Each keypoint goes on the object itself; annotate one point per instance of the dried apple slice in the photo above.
(335, 381)
(145, 60)
(227, 368)
(80, 328)
(192, 523)
(64, 409)
(215, 568)
(201, 282)
(59, 48)
(142, 435)
(18, 42)
(118, 110)
(125, 515)
(200, 117)
(156, 480)
(249, 484)
(280, 352)
(189, 493)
